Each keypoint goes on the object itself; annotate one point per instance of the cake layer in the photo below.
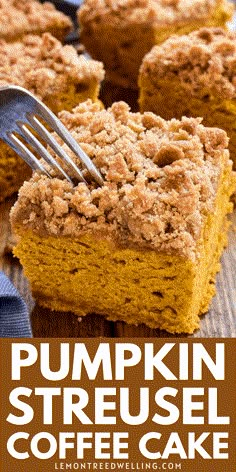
(168, 100)
(18, 18)
(56, 75)
(129, 29)
(143, 248)
(136, 286)
(13, 171)
(160, 177)
(193, 75)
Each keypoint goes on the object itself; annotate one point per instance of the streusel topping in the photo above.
(204, 61)
(160, 181)
(18, 17)
(157, 12)
(44, 66)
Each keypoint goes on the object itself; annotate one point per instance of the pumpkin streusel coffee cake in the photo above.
(56, 75)
(120, 33)
(193, 75)
(143, 248)
(19, 17)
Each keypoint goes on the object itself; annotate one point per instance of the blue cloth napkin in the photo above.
(14, 314)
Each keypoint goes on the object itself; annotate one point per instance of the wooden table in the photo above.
(219, 322)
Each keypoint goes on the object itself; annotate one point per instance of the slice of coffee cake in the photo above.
(20, 17)
(120, 33)
(193, 75)
(54, 73)
(145, 247)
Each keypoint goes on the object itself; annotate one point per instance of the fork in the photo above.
(19, 110)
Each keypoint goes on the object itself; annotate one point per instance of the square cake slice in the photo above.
(193, 75)
(54, 73)
(120, 33)
(20, 17)
(143, 248)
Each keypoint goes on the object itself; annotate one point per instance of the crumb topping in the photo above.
(29, 16)
(44, 66)
(204, 61)
(157, 12)
(160, 181)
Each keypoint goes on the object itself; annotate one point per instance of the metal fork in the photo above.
(19, 110)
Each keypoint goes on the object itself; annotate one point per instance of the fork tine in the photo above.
(51, 141)
(61, 130)
(40, 149)
(75, 147)
(23, 106)
(25, 153)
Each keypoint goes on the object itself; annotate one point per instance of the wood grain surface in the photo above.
(220, 321)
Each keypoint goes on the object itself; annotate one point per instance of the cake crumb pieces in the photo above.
(44, 66)
(18, 18)
(204, 60)
(156, 12)
(160, 181)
